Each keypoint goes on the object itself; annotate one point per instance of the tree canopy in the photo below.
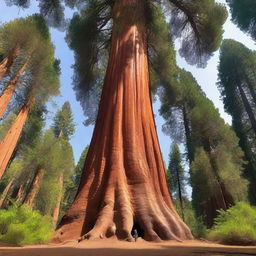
(63, 125)
(237, 85)
(244, 15)
(216, 160)
(197, 23)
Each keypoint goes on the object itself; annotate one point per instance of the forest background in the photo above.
(206, 78)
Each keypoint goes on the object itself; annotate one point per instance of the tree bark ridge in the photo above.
(7, 62)
(34, 188)
(9, 142)
(8, 92)
(124, 181)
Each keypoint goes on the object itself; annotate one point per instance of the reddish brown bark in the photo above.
(7, 62)
(56, 210)
(5, 193)
(9, 142)
(34, 188)
(8, 92)
(222, 198)
(123, 183)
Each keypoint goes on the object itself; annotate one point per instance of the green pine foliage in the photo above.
(58, 158)
(31, 37)
(20, 225)
(244, 15)
(177, 176)
(89, 37)
(236, 226)
(162, 56)
(199, 24)
(63, 125)
(212, 147)
(74, 181)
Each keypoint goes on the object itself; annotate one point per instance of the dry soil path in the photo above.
(117, 248)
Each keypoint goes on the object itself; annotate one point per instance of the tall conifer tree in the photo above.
(237, 85)
(177, 174)
(244, 15)
(40, 81)
(216, 161)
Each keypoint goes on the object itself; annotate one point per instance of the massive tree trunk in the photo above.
(8, 92)
(123, 185)
(56, 210)
(9, 142)
(7, 62)
(5, 193)
(34, 188)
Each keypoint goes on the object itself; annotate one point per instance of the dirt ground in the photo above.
(117, 248)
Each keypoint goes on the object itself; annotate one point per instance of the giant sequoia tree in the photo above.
(123, 183)
(237, 85)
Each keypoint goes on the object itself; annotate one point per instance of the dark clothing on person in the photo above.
(135, 235)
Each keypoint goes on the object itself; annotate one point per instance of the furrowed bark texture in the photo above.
(34, 188)
(9, 142)
(123, 183)
(56, 210)
(8, 92)
(7, 62)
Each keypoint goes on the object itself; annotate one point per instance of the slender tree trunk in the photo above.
(6, 192)
(9, 142)
(7, 62)
(56, 211)
(188, 134)
(34, 188)
(180, 194)
(247, 107)
(123, 184)
(8, 92)
(20, 193)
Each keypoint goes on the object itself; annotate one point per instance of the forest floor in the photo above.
(140, 248)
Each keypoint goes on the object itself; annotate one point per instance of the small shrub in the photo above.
(236, 226)
(21, 225)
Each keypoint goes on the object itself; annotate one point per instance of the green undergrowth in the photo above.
(236, 226)
(21, 225)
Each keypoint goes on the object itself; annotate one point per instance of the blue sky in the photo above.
(207, 78)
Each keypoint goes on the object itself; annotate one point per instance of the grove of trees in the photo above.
(124, 59)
